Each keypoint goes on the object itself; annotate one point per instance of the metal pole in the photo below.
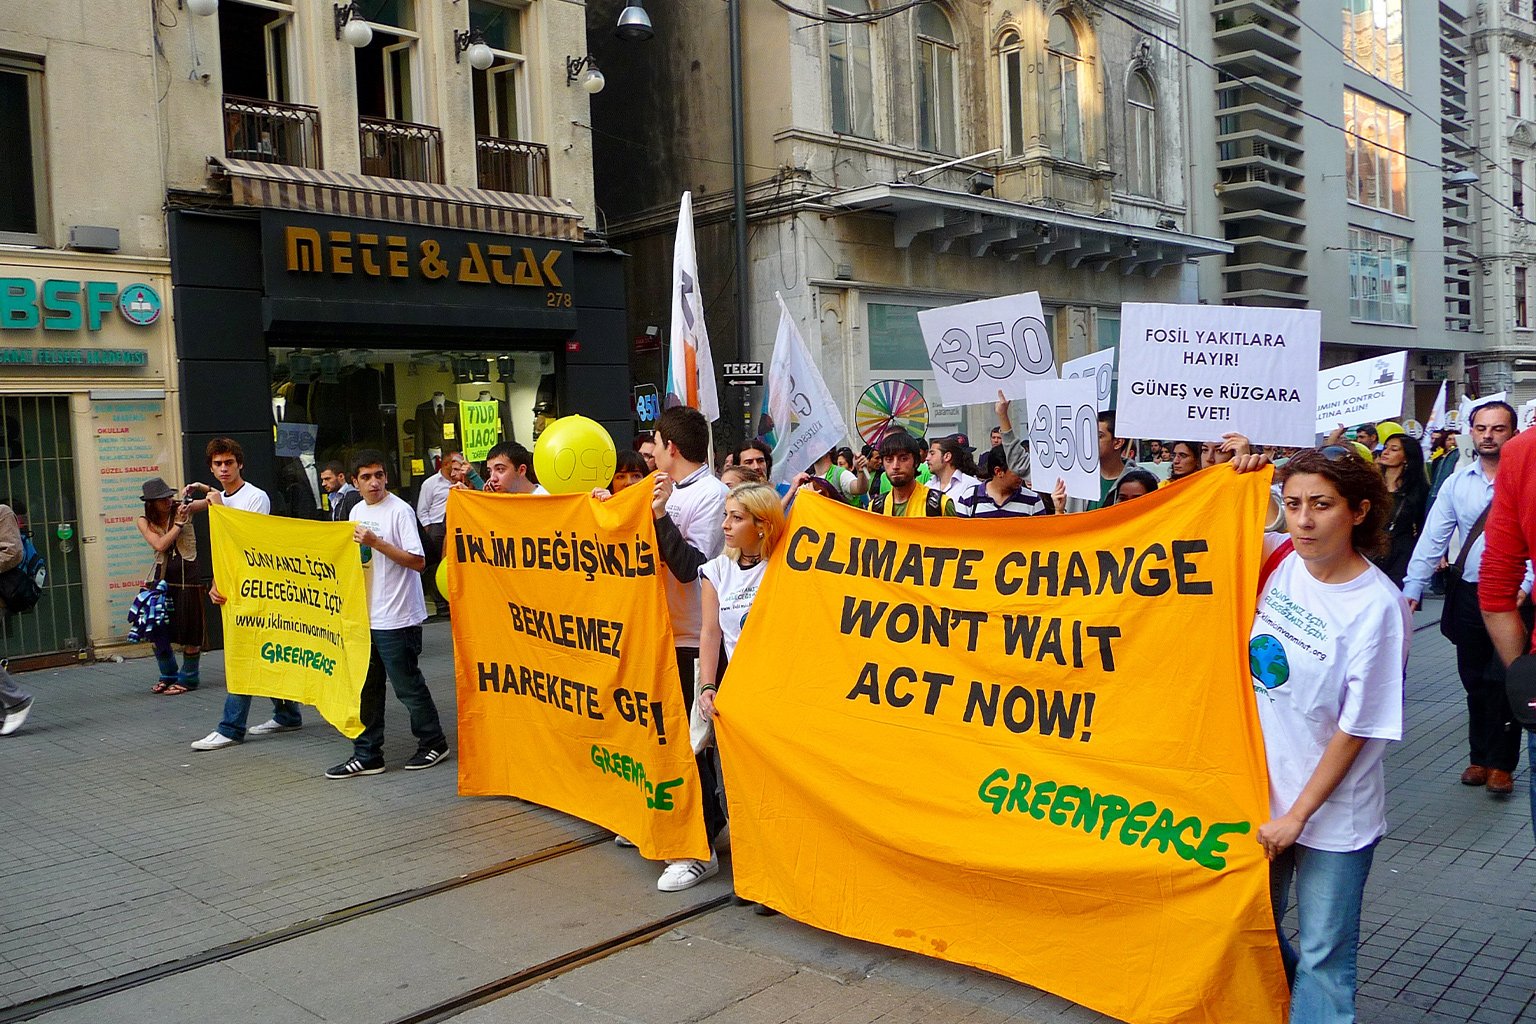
(739, 193)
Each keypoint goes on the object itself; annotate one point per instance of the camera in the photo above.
(188, 498)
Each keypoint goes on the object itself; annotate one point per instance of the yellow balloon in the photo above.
(442, 579)
(573, 455)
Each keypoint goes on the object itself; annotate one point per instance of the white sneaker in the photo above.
(214, 741)
(624, 844)
(271, 725)
(684, 874)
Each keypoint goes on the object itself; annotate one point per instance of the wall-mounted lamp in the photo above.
(980, 181)
(201, 8)
(1461, 178)
(351, 27)
(591, 78)
(634, 24)
(472, 43)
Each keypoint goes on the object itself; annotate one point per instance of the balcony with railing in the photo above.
(271, 132)
(400, 149)
(508, 165)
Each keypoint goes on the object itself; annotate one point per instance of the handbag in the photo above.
(1454, 612)
(149, 616)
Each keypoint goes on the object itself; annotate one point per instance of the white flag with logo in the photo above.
(1436, 421)
(806, 421)
(690, 367)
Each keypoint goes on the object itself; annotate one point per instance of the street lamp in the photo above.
(351, 27)
(634, 24)
(471, 44)
(591, 79)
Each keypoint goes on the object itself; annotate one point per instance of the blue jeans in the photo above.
(1530, 762)
(395, 654)
(237, 708)
(1329, 889)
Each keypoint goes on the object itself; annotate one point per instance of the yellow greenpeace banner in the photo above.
(567, 678)
(1027, 745)
(296, 621)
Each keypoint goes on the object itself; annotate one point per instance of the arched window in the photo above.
(1064, 123)
(1140, 135)
(1010, 55)
(850, 71)
(937, 56)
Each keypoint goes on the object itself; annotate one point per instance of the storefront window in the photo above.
(329, 403)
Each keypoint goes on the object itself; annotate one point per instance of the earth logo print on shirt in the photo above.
(1267, 662)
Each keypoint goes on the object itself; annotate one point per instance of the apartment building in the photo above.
(1335, 153)
(311, 226)
(897, 160)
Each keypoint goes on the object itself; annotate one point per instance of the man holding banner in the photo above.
(392, 555)
(696, 506)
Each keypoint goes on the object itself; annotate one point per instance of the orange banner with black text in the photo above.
(1026, 745)
(567, 678)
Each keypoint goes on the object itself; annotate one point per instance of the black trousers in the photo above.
(1493, 736)
(709, 774)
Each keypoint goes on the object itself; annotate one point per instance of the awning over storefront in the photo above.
(979, 225)
(282, 187)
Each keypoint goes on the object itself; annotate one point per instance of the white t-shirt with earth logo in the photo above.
(1323, 657)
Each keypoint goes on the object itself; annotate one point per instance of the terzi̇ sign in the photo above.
(26, 304)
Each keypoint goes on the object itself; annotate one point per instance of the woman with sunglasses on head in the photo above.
(1401, 463)
(1327, 651)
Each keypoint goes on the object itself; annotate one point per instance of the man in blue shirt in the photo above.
(1492, 734)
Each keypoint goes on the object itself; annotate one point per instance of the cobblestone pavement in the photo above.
(126, 849)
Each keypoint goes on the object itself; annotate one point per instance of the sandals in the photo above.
(177, 689)
(162, 686)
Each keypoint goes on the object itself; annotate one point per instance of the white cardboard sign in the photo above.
(979, 348)
(1201, 371)
(1368, 391)
(1063, 418)
(1098, 367)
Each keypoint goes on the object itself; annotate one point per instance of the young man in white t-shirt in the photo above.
(697, 507)
(226, 458)
(385, 526)
(953, 469)
(509, 470)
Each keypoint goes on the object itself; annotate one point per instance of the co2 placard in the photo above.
(1063, 418)
(1098, 367)
(979, 348)
(1367, 391)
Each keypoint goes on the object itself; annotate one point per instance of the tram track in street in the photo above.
(105, 988)
(480, 995)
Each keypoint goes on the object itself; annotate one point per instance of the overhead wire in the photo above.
(1289, 104)
(856, 18)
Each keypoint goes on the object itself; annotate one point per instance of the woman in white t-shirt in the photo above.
(754, 521)
(1327, 652)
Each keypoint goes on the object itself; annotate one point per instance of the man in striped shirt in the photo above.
(1003, 495)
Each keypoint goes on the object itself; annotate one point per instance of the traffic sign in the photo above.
(743, 375)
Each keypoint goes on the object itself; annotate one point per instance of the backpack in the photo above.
(22, 587)
(149, 617)
(934, 507)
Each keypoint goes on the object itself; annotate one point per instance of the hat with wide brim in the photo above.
(155, 489)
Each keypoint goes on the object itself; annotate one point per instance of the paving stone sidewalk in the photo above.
(124, 849)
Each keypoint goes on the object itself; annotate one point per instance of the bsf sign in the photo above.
(71, 305)
(979, 348)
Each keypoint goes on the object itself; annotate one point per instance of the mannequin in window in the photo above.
(299, 502)
(437, 420)
(503, 410)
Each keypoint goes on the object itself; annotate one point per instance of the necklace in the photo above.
(748, 561)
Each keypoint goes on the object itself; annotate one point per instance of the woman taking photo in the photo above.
(1327, 651)
(1402, 466)
(166, 526)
